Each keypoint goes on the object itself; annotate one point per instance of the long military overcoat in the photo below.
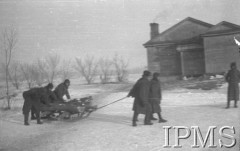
(32, 99)
(141, 96)
(155, 95)
(233, 78)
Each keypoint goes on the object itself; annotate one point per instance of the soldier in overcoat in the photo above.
(45, 101)
(140, 92)
(155, 97)
(61, 90)
(233, 78)
(32, 100)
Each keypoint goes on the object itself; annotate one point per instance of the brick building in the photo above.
(192, 47)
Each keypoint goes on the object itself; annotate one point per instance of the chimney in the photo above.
(154, 30)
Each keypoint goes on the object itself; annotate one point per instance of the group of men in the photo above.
(147, 94)
(37, 98)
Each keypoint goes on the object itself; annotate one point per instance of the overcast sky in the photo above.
(74, 28)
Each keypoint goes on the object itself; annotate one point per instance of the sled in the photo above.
(80, 108)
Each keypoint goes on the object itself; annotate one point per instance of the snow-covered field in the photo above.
(109, 128)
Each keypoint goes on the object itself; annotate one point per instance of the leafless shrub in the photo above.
(14, 75)
(87, 68)
(8, 41)
(28, 74)
(105, 70)
(41, 73)
(120, 65)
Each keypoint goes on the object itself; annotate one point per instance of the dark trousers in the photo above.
(30, 105)
(147, 114)
(33, 112)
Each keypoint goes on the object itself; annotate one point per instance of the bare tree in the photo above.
(105, 70)
(52, 64)
(120, 65)
(14, 75)
(9, 40)
(28, 73)
(41, 73)
(87, 68)
(65, 69)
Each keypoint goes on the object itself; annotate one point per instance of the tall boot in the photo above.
(38, 118)
(135, 116)
(26, 119)
(228, 104)
(161, 120)
(147, 119)
(235, 103)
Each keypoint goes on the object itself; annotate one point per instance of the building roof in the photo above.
(156, 41)
(222, 28)
(189, 19)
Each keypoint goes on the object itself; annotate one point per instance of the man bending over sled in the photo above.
(48, 102)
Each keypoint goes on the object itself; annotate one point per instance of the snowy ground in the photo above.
(109, 128)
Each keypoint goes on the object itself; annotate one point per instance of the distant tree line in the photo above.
(105, 68)
(53, 68)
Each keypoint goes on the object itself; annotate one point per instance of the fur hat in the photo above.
(146, 73)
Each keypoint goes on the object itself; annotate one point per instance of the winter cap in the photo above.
(50, 86)
(67, 81)
(146, 73)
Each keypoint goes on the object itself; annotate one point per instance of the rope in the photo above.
(111, 103)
